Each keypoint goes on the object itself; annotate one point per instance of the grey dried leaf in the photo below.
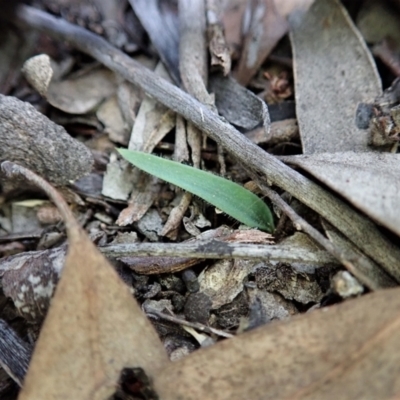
(265, 307)
(32, 140)
(334, 72)
(368, 180)
(238, 105)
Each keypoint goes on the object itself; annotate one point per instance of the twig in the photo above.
(218, 250)
(195, 325)
(360, 230)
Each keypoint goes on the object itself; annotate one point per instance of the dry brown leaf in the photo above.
(94, 327)
(347, 351)
(334, 72)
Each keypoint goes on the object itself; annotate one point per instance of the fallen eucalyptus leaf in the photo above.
(348, 351)
(368, 180)
(334, 72)
(228, 196)
(94, 328)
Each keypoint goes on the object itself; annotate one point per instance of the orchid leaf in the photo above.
(231, 198)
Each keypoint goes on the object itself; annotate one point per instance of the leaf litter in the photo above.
(198, 289)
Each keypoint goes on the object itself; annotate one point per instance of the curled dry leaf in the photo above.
(238, 105)
(348, 351)
(94, 327)
(31, 139)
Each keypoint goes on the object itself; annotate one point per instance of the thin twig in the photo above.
(359, 229)
(195, 325)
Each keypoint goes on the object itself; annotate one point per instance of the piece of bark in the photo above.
(30, 280)
(218, 47)
(32, 140)
(15, 354)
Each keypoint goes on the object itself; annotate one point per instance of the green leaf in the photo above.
(228, 196)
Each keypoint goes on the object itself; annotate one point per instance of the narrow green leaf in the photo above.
(228, 196)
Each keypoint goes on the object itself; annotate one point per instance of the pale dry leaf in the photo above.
(119, 179)
(232, 15)
(223, 281)
(370, 181)
(94, 328)
(334, 72)
(81, 94)
(347, 351)
(153, 121)
(109, 114)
